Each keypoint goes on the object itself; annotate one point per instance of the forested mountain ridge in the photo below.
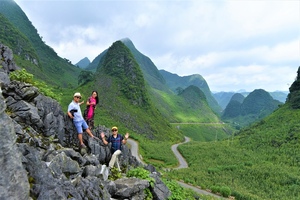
(47, 66)
(233, 108)
(120, 64)
(196, 99)
(176, 82)
(150, 71)
(125, 96)
(244, 111)
(171, 105)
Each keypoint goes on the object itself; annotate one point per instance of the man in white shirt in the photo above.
(74, 112)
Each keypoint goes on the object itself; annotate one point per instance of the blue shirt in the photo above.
(116, 143)
(77, 115)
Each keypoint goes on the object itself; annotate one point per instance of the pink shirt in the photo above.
(92, 107)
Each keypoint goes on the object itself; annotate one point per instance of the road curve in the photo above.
(134, 147)
(181, 160)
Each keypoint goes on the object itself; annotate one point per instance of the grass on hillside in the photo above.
(205, 132)
(262, 162)
(176, 109)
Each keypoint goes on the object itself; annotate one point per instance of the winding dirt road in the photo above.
(182, 164)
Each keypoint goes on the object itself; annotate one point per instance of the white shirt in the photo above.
(77, 115)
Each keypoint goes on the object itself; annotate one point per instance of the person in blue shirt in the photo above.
(116, 141)
(74, 112)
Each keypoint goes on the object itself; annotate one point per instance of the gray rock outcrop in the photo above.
(13, 182)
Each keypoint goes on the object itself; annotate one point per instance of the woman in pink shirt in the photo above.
(91, 103)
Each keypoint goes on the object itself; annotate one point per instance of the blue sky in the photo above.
(233, 44)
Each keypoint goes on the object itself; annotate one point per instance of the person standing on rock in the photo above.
(89, 113)
(74, 112)
(116, 140)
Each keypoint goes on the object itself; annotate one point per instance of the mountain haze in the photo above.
(83, 63)
(223, 98)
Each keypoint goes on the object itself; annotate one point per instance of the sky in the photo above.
(233, 44)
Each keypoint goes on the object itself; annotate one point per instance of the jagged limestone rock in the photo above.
(62, 164)
(129, 187)
(13, 183)
(160, 191)
(100, 171)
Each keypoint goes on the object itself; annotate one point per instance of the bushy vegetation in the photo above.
(142, 174)
(145, 175)
(24, 76)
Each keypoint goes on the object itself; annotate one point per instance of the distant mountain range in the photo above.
(83, 63)
(223, 98)
(243, 111)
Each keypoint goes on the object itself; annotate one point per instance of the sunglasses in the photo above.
(78, 97)
(114, 130)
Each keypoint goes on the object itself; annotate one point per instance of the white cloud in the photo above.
(232, 44)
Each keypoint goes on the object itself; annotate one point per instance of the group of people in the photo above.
(87, 121)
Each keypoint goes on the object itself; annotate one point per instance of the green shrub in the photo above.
(142, 174)
(225, 191)
(178, 192)
(24, 76)
(21, 75)
(114, 174)
(215, 189)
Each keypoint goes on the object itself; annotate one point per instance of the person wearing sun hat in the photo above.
(116, 140)
(74, 112)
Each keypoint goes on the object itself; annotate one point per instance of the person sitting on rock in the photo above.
(116, 140)
(74, 112)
